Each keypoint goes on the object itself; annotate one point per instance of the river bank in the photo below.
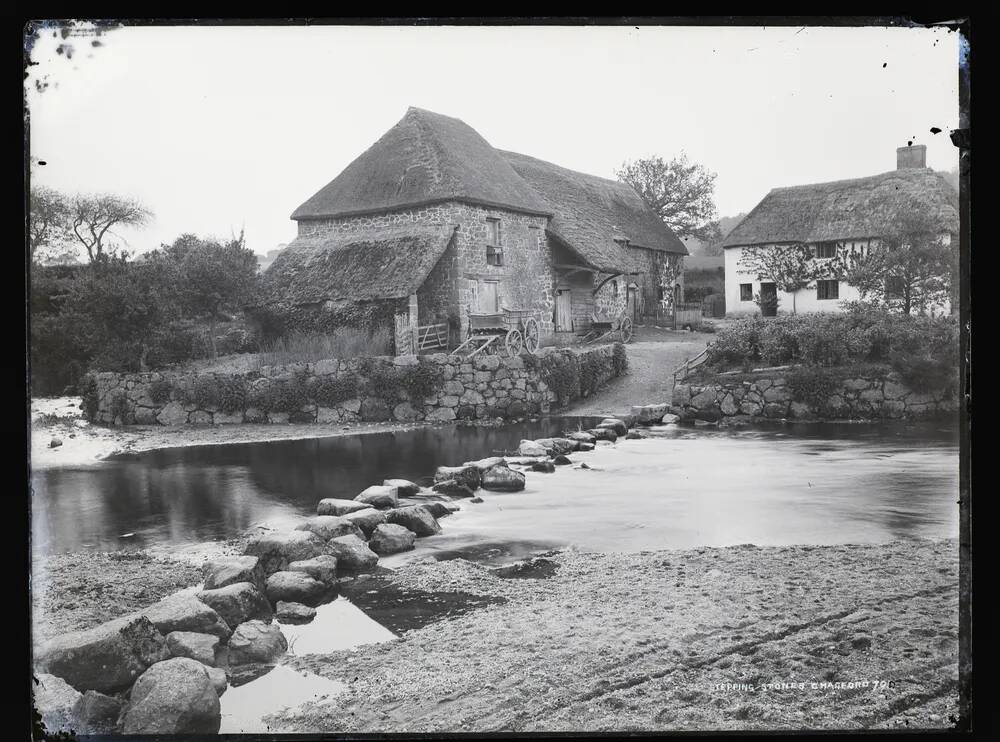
(82, 443)
(647, 641)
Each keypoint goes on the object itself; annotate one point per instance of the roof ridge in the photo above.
(858, 180)
(610, 181)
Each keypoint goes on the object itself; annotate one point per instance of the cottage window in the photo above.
(828, 289)
(746, 292)
(826, 250)
(494, 251)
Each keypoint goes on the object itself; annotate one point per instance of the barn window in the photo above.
(826, 250)
(828, 289)
(494, 252)
(746, 292)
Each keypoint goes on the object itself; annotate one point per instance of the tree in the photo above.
(910, 268)
(48, 222)
(212, 277)
(789, 267)
(680, 192)
(92, 217)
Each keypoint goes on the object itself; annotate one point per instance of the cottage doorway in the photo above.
(564, 311)
(769, 300)
(489, 297)
(632, 303)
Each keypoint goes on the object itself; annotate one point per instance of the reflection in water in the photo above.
(680, 487)
(244, 707)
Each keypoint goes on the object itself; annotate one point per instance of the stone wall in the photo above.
(870, 397)
(333, 391)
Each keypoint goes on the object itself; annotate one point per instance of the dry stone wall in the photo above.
(434, 388)
(869, 397)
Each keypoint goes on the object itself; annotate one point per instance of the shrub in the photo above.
(89, 398)
(331, 390)
(119, 408)
(420, 381)
(232, 394)
(288, 396)
(591, 370)
(778, 342)
(738, 345)
(259, 395)
(384, 381)
(530, 361)
(561, 372)
(619, 359)
(159, 390)
(203, 392)
(813, 385)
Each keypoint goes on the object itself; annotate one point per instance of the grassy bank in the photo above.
(619, 642)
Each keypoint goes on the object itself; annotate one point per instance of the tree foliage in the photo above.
(789, 267)
(681, 193)
(92, 218)
(48, 223)
(912, 268)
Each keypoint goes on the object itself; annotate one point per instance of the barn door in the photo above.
(564, 311)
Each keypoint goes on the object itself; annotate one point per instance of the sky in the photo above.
(221, 128)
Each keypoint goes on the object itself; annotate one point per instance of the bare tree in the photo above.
(48, 219)
(680, 192)
(92, 217)
(790, 267)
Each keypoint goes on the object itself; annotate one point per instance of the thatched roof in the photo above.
(384, 264)
(845, 209)
(590, 213)
(425, 158)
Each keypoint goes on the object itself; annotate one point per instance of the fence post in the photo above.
(414, 324)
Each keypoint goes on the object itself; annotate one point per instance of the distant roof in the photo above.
(844, 209)
(383, 264)
(589, 213)
(425, 158)
(704, 262)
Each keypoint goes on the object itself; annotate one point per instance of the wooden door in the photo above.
(768, 300)
(564, 311)
(489, 297)
(632, 304)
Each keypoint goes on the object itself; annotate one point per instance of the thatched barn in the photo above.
(830, 218)
(432, 223)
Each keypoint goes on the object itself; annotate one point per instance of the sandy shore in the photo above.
(631, 642)
(83, 443)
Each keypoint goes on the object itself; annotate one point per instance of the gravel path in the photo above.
(652, 358)
(633, 642)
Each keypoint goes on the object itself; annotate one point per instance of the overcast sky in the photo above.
(215, 128)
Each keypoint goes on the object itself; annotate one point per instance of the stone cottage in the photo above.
(831, 218)
(432, 223)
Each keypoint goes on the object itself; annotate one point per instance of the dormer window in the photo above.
(826, 250)
(494, 250)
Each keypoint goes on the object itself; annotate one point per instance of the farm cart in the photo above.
(603, 327)
(509, 330)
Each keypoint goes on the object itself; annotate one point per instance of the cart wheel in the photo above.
(514, 342)
(626, 330)
(531, 335)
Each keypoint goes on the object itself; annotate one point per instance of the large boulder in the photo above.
(531, 448)
(670, 419)
(453, 488)
(416, 518)
(256, 642)
(614, 424)
(546, 467)
(367, 520)
(353, 554)
(467, 475)
(107, 657)
(503, 479)
(56, 701)
(200, 647)
(557, 445)
(237, 603)
(649, 414)
(336, 506)
(276, 550)
(438, 509)
(96, 713)
(290, 612)
(379, 496)
(322, 568)
(581, 436)
(604, 434)
(229, 570)
(484, 464)
(219, 679)
(584, 446)
(390, 538)
(329, 526)
(173, 697)
(404, 487)
(297, 587)
(186, 613)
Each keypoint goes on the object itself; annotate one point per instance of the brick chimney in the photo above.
(914, 155)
